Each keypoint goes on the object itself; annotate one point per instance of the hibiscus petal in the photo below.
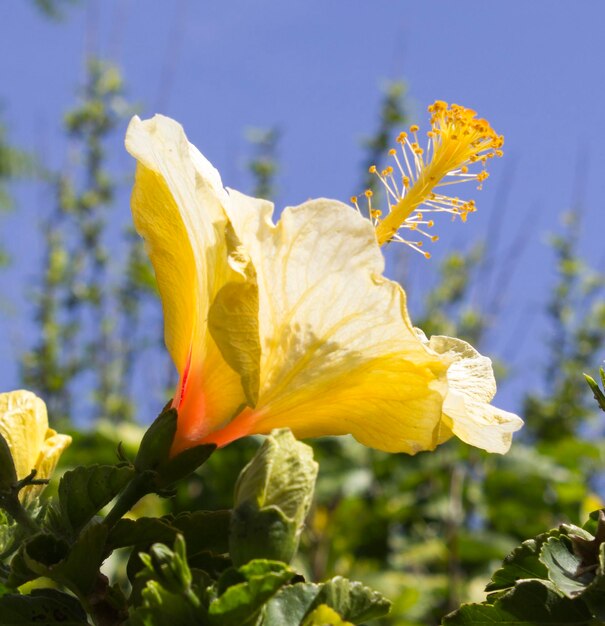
(339, 354)
(23, 423)
(178, 208)
(471, 386)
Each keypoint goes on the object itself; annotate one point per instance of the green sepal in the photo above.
(8, 473)
(157, 441)
(183, 464)
(154, 452)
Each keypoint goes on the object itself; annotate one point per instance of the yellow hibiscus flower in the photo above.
(292, 324)
(33, 445)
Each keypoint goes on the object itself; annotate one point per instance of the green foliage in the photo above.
(84, 491)
(555, 578)
(192, 583)
(263, 165)
(76, 299)
(425, 531)
(577, 315)
(54, 9)
(272, 498)
(42, 606)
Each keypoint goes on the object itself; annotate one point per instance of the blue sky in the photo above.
(315, 69)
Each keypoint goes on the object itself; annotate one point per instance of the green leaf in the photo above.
(42, 606)
(529, 603)
(522, 563)
(84, 491)
(563, 567)
(205, 532)
(10, 535)
(80, 570)
(76, 567)
(243, 592)
(291, 604)
(353, 600)
(34, 558)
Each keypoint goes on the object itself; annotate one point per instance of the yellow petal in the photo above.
(471, 386)
(339, 354)
(24, 424)
(53, 447)
(33, 445)
(178, 208)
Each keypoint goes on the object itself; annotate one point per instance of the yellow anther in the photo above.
(456, 141)
(372, 169)
(368, 193)
(353, 199)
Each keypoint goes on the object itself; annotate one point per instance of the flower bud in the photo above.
(32, 444)
(272, 498)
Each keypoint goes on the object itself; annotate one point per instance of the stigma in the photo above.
(457, 150)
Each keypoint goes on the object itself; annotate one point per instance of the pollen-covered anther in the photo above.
(456, 142)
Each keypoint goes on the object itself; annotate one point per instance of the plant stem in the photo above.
(11, 504)
(141, 485)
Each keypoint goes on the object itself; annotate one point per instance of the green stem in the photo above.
(11, 504)
(141, 485)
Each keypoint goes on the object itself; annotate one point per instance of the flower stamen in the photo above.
(457, 141)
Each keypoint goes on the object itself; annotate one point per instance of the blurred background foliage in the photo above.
(425, 530)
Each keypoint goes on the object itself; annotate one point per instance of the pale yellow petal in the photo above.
(339, 354)
(23, 423)
(471, 386)
(178, 208)
(178, 212)
(52, 448)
